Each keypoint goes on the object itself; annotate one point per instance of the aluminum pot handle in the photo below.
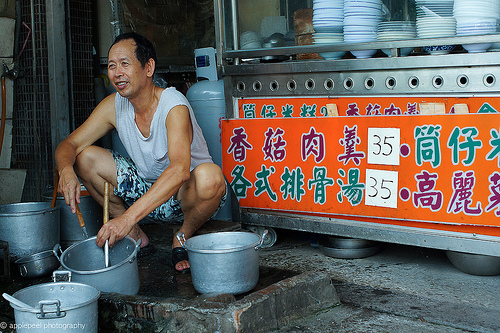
(136, 250)
(57, 248)
(23, 270)
(181, 238)
(65, 274)
(264, 234)
(50, 315)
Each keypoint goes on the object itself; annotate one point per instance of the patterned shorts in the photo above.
(131, 187)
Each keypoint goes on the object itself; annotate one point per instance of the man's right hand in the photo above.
(69, 186)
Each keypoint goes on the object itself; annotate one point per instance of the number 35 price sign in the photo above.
(382, 185)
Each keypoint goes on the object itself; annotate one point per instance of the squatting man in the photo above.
(169, 175)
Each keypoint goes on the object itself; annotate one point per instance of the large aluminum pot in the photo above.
(70, 228)
(29, 227)
(85, 260)
(223, 262)
(57, 307)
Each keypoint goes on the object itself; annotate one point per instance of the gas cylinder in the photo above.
(207, 100)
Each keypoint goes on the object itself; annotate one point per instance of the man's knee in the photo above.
(84, 161)
(90, 160)
(210, 181)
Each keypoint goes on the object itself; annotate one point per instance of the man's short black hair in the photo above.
(144, 49)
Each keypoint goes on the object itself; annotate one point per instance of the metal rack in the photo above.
(453, 75)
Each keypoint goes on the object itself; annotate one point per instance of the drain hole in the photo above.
(257, 86)
(348, 83)
(489, 80)
(390, 83)
(462, 81)
(329, 84)
(240, 86)
(310, 84)
(413, 82)
(291, 85)
(437, 81)
(369, 83)
(274, 85)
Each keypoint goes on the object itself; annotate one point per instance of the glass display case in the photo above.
(281, 30)
(315, 89)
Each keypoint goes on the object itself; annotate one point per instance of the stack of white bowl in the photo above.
(361, 18)
(328, 23)
(397, 30)
(495, 47)
(329, 38)
(328, 16)
(435, 19)
(476, 17)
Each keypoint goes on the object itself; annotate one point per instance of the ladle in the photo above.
(79, 215)
(80, 220)
(17, 302)
(105, 219)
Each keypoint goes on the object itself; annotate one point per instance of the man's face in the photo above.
(124, 70)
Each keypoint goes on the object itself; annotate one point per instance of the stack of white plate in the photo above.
(329, 38)
(328, 16)
(435, 19)
(397, 30)
(443, 8)
(476, 17)
(361, 18)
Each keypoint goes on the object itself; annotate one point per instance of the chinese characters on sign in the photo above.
(361, 106)
(440, 168)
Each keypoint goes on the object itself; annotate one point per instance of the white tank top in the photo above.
(150, 154)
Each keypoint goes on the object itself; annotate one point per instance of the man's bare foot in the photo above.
(136, 233)
(179, 256)
(180, 259)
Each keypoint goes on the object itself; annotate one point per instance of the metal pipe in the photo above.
(35, 99)
(4, 113)
(236, 34)
(69, 50)
(220, 35)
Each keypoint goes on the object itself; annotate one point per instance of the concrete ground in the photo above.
(400, 289)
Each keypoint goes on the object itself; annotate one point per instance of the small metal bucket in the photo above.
(224, 262)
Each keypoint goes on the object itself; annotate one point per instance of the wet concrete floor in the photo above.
(159, 280)
(400, 289)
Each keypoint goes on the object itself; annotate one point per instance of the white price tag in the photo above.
(381, 188)
(383, 146)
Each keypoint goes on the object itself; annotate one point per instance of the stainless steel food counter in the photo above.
(460, 82)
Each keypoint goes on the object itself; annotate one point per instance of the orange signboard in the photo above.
(359, 106)
(441, 169)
